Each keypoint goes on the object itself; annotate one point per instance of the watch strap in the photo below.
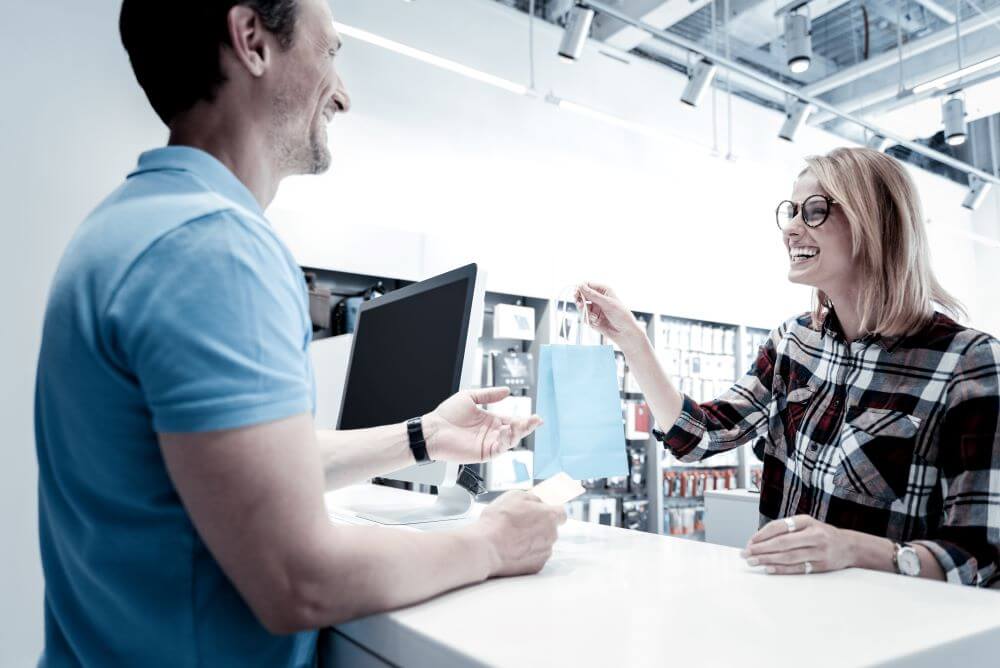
(418, 446)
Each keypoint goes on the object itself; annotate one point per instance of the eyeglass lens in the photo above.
(814, 211)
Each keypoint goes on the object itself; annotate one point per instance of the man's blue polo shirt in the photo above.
(174, 309)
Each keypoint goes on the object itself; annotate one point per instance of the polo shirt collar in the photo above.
(203, 166)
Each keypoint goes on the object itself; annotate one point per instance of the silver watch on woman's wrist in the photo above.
(906, 560)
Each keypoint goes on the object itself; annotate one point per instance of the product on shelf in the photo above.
(637, 471)
(603, 511)
(635, 514)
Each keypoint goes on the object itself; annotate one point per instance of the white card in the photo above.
(558, 489)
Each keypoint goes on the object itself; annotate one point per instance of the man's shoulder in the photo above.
(183, 227)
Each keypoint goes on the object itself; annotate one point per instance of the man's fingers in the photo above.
(489, 395)
(523, 426)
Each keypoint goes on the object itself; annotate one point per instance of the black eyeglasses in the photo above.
(815, 211)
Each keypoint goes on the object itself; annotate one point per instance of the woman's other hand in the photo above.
(609, 316)
(800, 545)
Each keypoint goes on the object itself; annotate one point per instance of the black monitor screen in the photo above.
(407, 355)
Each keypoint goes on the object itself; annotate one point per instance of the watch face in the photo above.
(909, 561)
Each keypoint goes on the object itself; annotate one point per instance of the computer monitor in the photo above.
(412, 349)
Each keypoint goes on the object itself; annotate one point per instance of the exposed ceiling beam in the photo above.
(793, 92)
(869, 95)
(678, 55)
(891, 58)
(659, 13)
(938, 10)
(908, 22)
(756, 24)
(894, 102)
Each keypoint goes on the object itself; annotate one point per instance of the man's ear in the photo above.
(249, 38)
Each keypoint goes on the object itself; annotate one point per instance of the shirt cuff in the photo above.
(687, 432)
(959, 566)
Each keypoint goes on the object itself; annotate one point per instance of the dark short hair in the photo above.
(174, 45)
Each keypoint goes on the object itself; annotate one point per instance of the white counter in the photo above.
(611, 597)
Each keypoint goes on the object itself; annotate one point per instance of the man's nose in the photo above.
(340, 97)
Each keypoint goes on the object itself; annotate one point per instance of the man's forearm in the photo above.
(355, 455)
(356, 571)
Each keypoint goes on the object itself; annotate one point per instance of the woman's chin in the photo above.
(800, 276)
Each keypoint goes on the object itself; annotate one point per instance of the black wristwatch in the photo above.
(415, 431)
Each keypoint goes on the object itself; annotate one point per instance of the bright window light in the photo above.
(430, 58)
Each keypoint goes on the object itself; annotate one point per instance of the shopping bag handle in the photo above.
(582, 317)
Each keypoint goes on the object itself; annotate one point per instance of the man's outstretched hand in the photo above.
(460, 431)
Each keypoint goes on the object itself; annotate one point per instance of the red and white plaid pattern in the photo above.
(895, 437)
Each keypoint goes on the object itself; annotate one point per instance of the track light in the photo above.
(577, 28)
(796, 115)
(978, 189)
(699, 79)
(953, 112)
(798, 42)
(878, 143)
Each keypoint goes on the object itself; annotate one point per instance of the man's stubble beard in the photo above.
(294, 155)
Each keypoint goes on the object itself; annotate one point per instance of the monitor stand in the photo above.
(452, 503)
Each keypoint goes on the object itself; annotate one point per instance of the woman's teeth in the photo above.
(802, 254)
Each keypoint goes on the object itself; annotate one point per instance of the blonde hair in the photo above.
(889, 243)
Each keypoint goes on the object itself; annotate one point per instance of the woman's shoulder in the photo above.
(800, 325)
(948, 336)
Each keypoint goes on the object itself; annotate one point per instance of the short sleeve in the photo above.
(209, 322)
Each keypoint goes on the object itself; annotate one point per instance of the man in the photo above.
(181, 477)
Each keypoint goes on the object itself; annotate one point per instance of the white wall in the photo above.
(433, 166)
(72, 121)
(474, 171)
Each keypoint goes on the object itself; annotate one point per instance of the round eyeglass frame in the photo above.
(797, 209)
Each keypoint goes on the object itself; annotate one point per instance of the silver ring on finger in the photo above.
(790, 523)
(808, 567)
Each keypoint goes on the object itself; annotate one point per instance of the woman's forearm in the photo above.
(876, 553)
(664, 400)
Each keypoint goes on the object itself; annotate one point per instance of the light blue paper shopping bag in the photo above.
(578, 399)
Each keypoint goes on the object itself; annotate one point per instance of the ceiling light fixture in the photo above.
(978, 189)
(796, 114)
(798, 42)
(430, 58)
(878, 143)
(953, 112)
(699, 79)
(577, 29)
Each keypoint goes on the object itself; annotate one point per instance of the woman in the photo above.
(882, 414)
